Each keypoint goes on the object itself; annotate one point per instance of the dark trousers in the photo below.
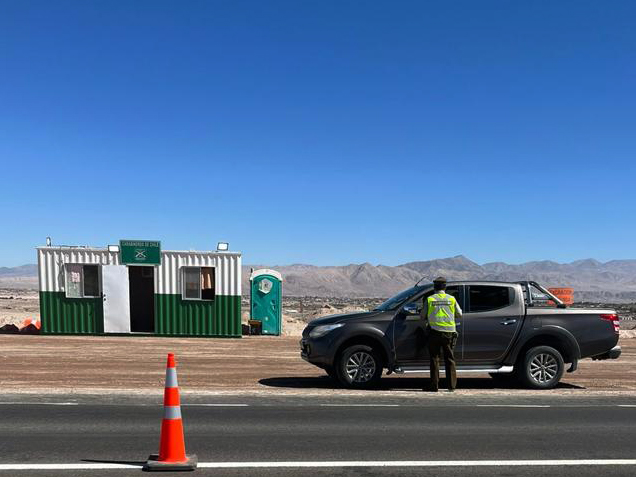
(441, 342)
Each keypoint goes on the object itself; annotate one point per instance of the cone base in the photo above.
(152, 464)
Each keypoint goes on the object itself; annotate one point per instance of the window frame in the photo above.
(545, 302)
(511, 298)
(82, 281)
(184, 270)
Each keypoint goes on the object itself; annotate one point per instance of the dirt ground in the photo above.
(18, 304)
(256, 364)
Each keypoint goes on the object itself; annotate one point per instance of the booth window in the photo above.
(82, 281)
(198, 283)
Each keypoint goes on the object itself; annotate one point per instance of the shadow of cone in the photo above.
(172, 455)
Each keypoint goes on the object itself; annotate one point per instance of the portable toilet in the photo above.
(266, 300)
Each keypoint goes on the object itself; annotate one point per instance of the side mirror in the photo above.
(411, 309)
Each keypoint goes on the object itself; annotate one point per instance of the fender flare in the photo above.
(551, 330)
(364, 332)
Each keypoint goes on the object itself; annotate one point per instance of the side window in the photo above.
(454, 290)
(198, 283)
(91, 280)
(488, 297)
(82, 281)
(207, 283)
(538, 297)
(191, 284)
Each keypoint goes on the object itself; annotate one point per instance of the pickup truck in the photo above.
(513, 331)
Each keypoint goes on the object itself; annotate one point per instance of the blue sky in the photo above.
(321, 132)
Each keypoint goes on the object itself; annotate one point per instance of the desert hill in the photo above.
(613, 281)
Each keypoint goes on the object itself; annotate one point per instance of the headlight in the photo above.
(319, 331)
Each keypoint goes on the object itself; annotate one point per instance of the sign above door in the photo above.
(140, 252)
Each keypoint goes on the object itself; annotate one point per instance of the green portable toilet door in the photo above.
(266, 302)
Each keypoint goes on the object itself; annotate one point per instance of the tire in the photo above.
(542, 368)
(359, 367)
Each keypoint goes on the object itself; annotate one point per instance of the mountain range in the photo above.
(613, 281)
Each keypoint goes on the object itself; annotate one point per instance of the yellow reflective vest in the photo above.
(441, 312)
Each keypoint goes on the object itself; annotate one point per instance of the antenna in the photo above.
(418, 282)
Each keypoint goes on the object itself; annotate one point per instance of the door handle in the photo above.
(509, 322)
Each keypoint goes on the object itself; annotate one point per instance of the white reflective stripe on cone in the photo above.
(171, 378)
(172, 412)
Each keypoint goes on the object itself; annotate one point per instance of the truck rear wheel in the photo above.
(542, 368)
(359, 367)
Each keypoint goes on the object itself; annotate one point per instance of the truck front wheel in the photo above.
(542, 367)
(359, 367)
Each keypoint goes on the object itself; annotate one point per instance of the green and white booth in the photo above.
(266, 300)
(138, 288)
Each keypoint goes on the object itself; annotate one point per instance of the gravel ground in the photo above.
(256, 364)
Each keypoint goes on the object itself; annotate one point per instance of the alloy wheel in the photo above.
(360, 367)
(543, 368)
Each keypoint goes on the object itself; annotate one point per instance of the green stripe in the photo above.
(173, 316)
(218, 317)
(61, 315)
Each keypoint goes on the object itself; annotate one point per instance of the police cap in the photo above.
(439, 283)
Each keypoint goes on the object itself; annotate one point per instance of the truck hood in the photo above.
(344, 317)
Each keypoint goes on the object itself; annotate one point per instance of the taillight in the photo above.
(614, 319)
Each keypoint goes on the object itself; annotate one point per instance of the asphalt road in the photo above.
(442, 427)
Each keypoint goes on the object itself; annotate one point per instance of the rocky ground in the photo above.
(17, 304)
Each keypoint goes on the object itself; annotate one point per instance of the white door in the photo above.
(116, 299)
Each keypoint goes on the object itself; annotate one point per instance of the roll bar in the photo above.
(529, 302)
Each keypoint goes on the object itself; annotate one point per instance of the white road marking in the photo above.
(360, 405)
(422, 463)
(362, 463)
(38, 403)
(513, 405)
(626, 405)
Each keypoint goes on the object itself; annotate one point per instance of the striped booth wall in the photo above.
(173, 315)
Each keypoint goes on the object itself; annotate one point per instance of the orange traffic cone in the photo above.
(172, 454)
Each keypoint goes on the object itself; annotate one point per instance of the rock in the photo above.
(10, 328)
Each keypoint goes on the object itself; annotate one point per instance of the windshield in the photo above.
(400, 298)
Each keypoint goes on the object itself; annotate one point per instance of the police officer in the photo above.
(440, 311)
